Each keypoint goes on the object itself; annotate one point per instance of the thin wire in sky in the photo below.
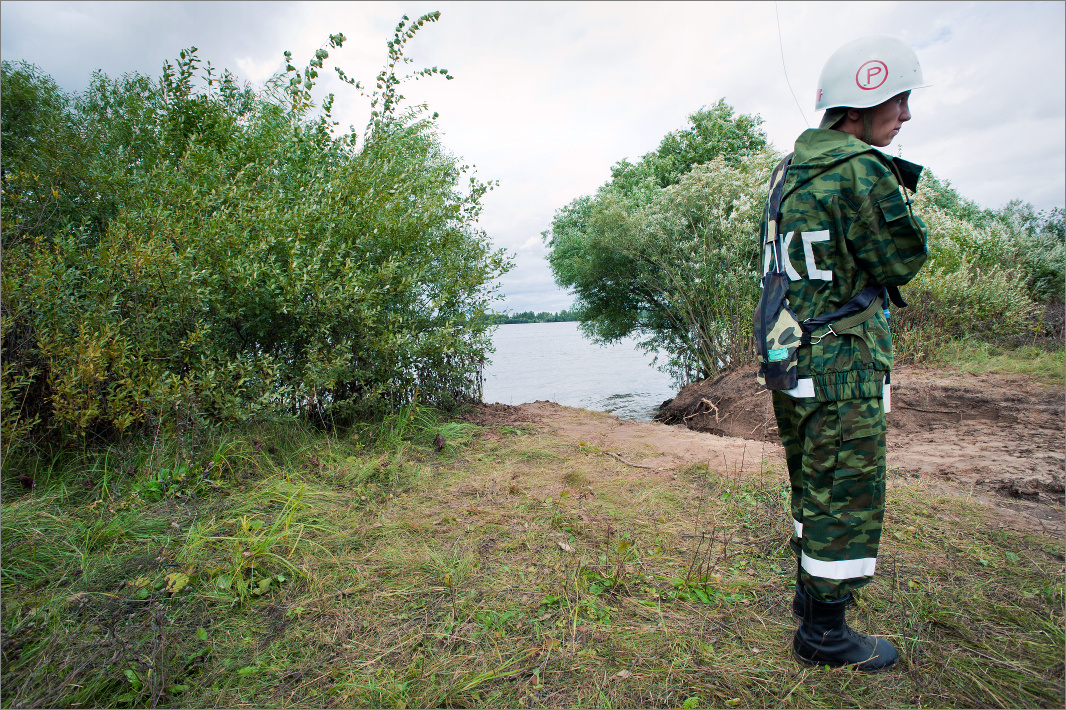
(781, 44)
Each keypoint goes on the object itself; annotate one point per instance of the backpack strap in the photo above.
(897, 298)
(861, 303)
(848, 319)
(777, 190)
(772, 217)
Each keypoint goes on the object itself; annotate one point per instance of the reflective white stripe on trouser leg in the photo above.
(841, 569)
(799, 527)
(887, 397)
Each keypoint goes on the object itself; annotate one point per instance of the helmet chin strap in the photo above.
(867, 126)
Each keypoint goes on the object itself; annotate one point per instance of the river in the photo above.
(553, 361)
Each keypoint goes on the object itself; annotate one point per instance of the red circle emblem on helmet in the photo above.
(871, 75)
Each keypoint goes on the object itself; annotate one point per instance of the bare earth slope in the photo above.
(995, 438)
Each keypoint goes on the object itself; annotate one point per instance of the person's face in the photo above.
(888, 118)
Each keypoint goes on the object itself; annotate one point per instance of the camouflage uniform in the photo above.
(847, 226)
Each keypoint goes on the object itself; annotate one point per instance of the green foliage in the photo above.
(988, 274)
(663, 250)
(966, 302)
(188, 250)
(245, 556)
(713, 131)
(666, 250)
(1041, 241)
(1031, 241)
(562, 316)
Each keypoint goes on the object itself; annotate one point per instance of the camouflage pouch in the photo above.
(778, 335)
(777, 330)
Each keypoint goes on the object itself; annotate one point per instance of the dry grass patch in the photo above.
(509, 569)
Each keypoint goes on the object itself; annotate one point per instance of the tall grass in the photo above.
(510, 567)
(1044, 365)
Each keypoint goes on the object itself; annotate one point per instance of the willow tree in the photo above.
(666, 249)
(188, 248)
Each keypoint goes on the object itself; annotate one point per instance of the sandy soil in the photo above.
(998, 439)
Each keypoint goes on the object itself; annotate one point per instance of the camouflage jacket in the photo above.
(847, 225)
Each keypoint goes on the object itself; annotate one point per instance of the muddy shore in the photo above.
(995, 438)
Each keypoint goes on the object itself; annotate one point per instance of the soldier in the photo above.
(848, 231)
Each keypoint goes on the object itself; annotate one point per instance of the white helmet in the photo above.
(868, 71)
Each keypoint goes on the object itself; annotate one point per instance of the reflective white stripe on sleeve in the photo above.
(799, 527)
(804, 389)
(842, 569)
(888, 398)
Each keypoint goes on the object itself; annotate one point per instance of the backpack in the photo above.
(778, 331)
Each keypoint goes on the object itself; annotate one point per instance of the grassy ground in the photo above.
(281, 567)
(1043, 363)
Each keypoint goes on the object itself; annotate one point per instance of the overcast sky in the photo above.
(547, 96)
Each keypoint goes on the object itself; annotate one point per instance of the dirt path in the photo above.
(998, 439)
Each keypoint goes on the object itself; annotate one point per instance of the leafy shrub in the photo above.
(1018, 234)
(665, 249)
(966, 290)
(967, 302)
(1041, 239)
(219, 254)
(691, 248)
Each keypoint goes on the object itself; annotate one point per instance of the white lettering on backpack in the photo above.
(792, 273)
(813, 272)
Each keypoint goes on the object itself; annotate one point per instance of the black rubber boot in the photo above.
(797, 601)
(824, 638)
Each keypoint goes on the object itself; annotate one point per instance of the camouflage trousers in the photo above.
(836, 466)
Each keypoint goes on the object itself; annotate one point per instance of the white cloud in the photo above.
(534, 243)
(257, 72)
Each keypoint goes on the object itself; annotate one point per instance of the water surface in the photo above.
(553, 361)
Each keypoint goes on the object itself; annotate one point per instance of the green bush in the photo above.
(967, 302)
(1017, 234)
(1041, 239)
(200, 251)
(966, 290)
(666, 250)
